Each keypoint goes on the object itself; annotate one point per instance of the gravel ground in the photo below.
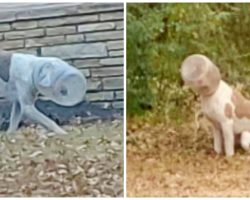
(179, 161)
(87, 162)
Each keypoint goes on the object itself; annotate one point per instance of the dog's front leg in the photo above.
(228, 135)
(217, 135)
(31, 112)
(15, 117)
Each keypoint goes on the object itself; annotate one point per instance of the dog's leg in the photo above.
(245, 140)
(2, 88)
(228, 135)
(31, 112)
(217, 140)
(15, 117)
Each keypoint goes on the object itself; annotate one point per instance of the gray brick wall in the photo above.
(87, 35)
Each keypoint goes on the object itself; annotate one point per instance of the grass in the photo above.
(86, 162)
(164, 160)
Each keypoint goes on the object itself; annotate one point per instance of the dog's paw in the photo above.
(61, 132)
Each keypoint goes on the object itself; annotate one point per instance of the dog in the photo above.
(227, 109)
(24, 78)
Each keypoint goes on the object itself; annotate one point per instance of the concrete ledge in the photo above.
(62, 115)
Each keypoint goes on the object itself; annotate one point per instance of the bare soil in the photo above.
(88, 162)
(166, 160)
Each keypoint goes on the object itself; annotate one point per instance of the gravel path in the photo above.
(86, 162)
(179, 161)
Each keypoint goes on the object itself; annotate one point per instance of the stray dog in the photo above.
(226, 108)
(25, 78)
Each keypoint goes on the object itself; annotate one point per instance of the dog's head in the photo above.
(201, 74)
(58, 81)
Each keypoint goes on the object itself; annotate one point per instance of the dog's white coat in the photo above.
(213, 106)
(53, 78)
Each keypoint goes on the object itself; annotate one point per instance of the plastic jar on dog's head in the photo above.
(69, 89)
(201, 74)
(58, 81)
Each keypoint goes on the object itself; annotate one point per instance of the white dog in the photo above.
(226, 108)
(25, 78)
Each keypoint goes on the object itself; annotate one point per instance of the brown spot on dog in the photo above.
(228, 111)
(242, 105)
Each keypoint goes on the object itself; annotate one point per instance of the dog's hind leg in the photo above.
(245, 140)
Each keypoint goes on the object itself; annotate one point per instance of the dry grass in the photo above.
(86, 162)
(169, 161)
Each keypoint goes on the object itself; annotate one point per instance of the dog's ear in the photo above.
(45, 75)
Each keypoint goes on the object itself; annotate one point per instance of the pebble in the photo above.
(116, 146)
(35, 154)
(62, 171)
(96, 192)
(108, 189)
(93, 181)
(91, 172)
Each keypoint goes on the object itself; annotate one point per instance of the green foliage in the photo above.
(160, 36)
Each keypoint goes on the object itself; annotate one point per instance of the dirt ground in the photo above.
(86, 162)
(178, 161)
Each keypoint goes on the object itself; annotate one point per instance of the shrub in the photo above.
(160, 36)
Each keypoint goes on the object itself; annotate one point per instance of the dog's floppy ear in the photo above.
(44, 76)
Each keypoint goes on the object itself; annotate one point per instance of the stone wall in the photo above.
(87, 35)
